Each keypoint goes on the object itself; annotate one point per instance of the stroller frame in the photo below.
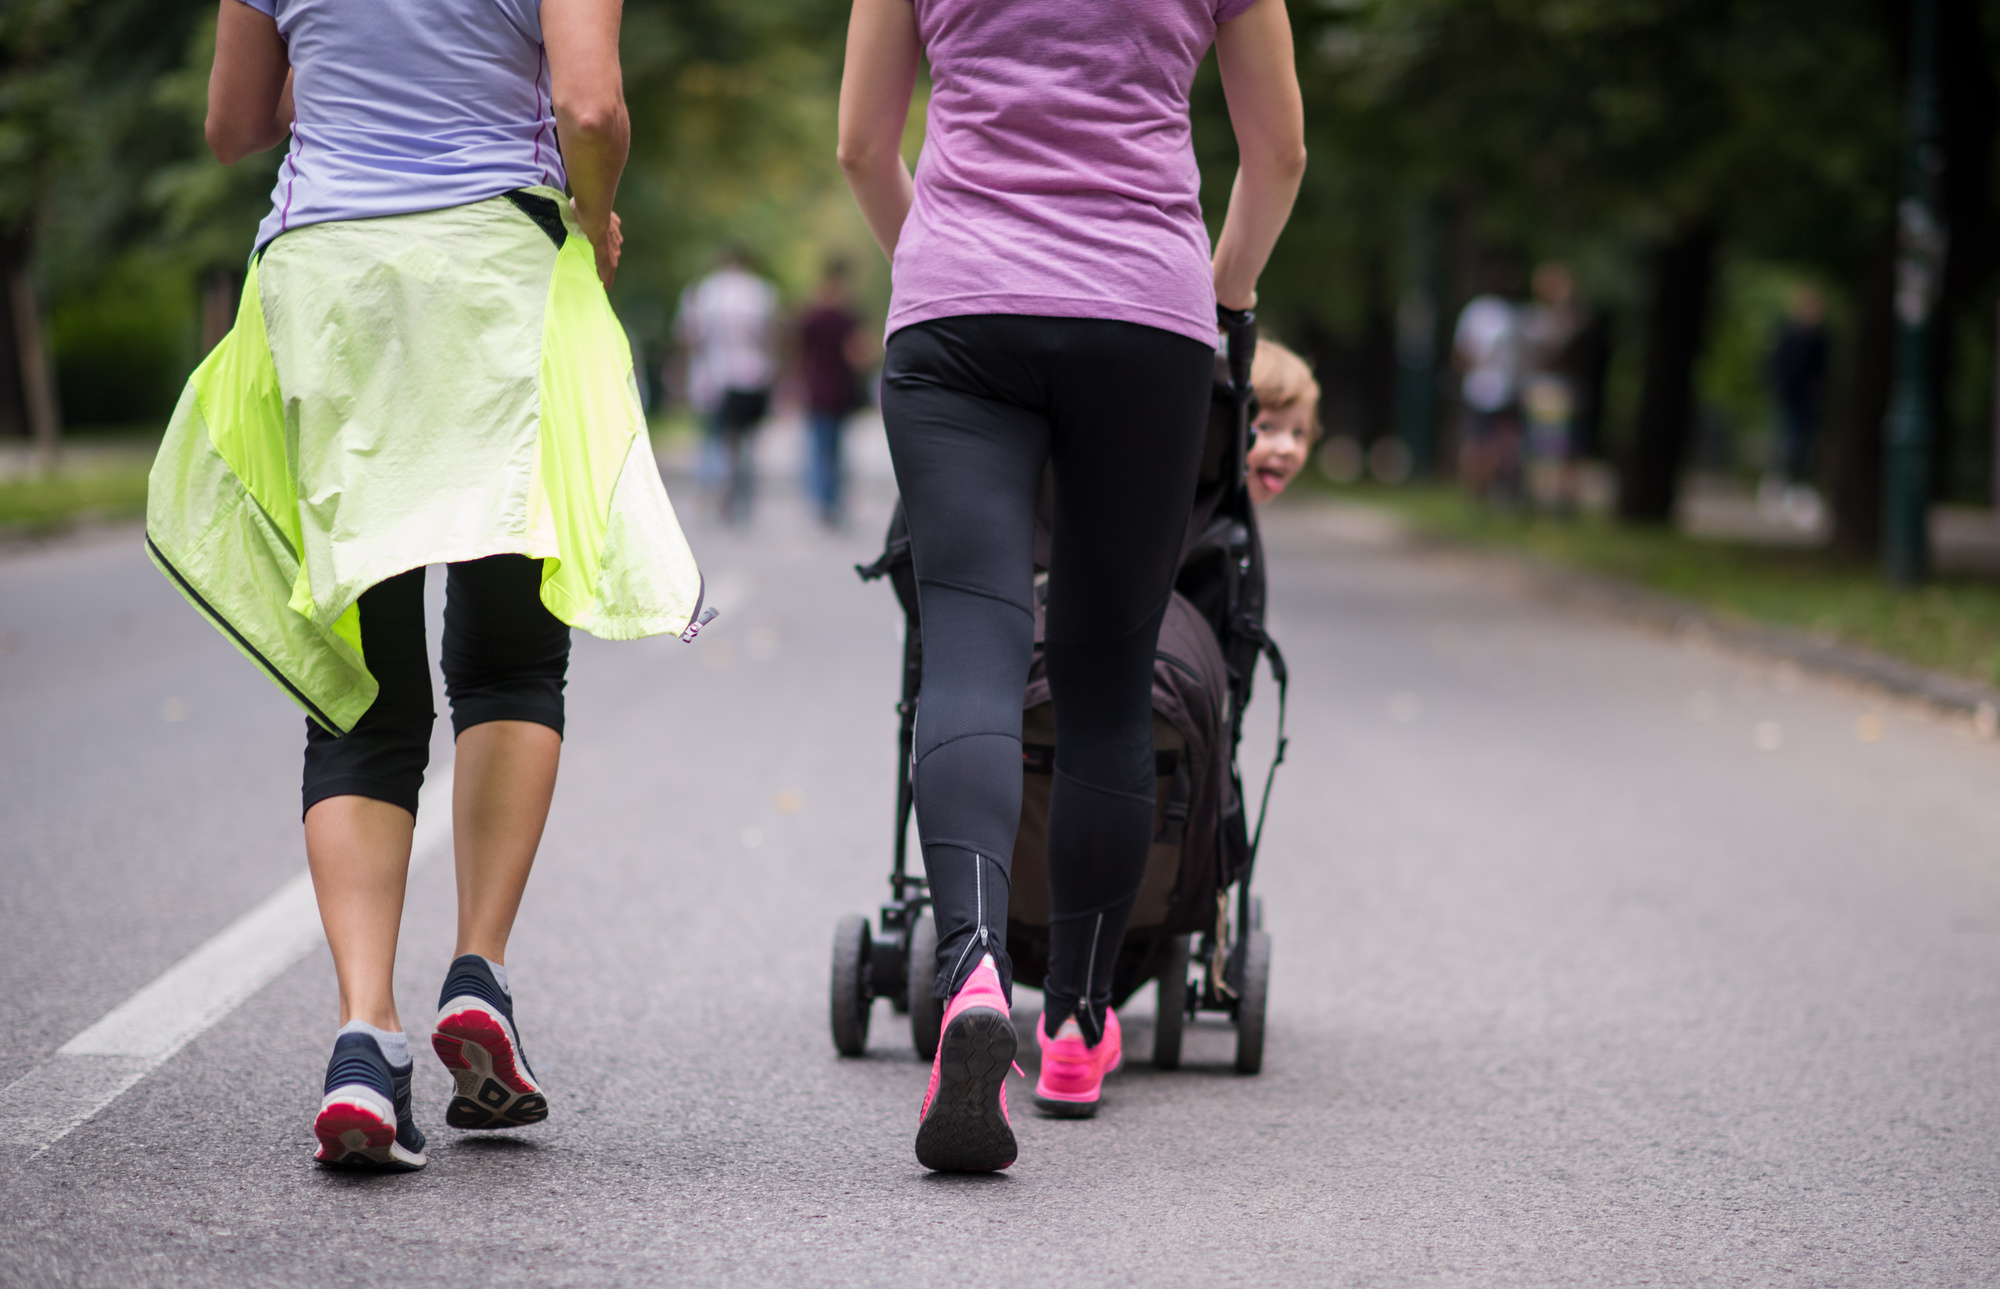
(1231, 959)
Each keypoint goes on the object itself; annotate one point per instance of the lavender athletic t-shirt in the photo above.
(1058, 174)
(404, 106)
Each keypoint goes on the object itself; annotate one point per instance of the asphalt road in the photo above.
(1600, 959)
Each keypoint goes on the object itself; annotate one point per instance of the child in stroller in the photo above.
(1286, 419)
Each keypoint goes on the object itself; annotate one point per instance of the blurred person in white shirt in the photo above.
(727, 324)
(1488, 349)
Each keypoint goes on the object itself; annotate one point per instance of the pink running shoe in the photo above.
(1073, 1071)
(963, 1126)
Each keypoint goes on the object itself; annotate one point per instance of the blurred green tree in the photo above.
(207, 212)
(1970, 113)
(1652, 139)
(104, 174)
(80, 135)
(1649, 141)
(733, 109)
(40, 82)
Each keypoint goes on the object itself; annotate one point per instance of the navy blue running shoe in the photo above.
(364, 1119)
(475, 1039)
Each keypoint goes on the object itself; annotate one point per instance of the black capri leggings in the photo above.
(976, 407)
(505, 656)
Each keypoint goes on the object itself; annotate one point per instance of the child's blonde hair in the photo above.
(1282, 379)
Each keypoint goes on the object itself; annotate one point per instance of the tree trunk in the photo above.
(220, 291)
(31, 353)
(1676, 329)
(1855, 468)
(1378, 356)
(1970, 111)
(13, 404)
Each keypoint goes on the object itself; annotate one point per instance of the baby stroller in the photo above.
(1196, 928)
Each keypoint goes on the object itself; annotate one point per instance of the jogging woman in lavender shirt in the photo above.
(1054, 304)
(425, 369)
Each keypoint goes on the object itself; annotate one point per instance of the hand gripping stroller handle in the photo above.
(1239, 329)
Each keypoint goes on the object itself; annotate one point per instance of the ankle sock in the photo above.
(395, 1044)
(499, 974)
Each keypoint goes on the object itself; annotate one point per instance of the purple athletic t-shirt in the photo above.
(1058, 174)
(403, 106)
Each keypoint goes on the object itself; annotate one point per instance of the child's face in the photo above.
(1284, 440)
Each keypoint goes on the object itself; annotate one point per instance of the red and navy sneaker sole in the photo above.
(494, 1088)
(966, 1130)
(354, 1132)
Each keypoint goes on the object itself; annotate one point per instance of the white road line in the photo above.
(95, 1068)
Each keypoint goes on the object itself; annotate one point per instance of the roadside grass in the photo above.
(112, 493)
(102, 475)
(1951, 625)
(103, 472)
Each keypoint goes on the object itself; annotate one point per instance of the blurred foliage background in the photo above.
(1690, 159)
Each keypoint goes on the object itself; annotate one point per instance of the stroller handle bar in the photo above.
(1239, 326)
(1239, 329)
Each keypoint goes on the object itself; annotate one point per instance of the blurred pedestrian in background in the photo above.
(1287, 422)
(1054, 310)
(1797, 374)
(829, 354)
(1550, 325)
(424, 369)
(728, 324)
(1487, 349)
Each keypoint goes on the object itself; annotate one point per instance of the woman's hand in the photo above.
(592, 126)
(882, 55)
(608, 243)
(1254, 52)
(249, 85)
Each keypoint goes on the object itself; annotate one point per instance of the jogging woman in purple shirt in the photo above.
(1054, 302)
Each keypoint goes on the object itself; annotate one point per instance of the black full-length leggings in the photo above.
(505, 659)
(976, 408)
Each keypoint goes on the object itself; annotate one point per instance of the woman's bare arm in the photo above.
(592, 126)
(249, 85)
(882, 55)
(1254, 52)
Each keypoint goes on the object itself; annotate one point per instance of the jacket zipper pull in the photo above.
(694, 627)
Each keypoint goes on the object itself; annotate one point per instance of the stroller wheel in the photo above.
(1255, 989)
(1173, 1004)
(926, 1011)
(851, 1002)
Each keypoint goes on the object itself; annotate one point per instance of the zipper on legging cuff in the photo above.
(985, 938)
(1090, 971)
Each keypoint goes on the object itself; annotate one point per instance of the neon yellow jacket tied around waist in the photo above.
(414, 390)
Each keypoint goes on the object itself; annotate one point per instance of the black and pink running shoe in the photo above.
(475, 1039)
(364, 1118)
(963, 1126)
(1072, 1080)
